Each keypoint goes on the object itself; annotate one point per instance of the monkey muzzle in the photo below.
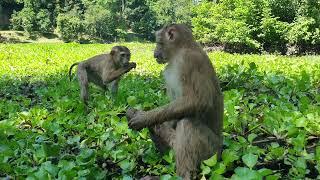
(159, 58)
(126, 64)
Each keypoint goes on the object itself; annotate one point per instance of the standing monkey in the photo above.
(102, 70)
(192, 122)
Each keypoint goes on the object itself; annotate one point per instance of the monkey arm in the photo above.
(187, 105)
(109, 76)
(113, 75)
(198, 95)
(177, 109)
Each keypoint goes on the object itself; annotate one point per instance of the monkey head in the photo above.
(121, 55)
(169, 39)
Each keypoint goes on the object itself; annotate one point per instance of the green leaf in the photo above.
(50, 168)
(317, 155)
(126, 177)
(132, 100)
(211, 161)
(127, 165)
(229, 156)
(220, 168)
(301, 122)
(73, 139)
(251, 137)
(41, 174)
(250, 160)
(51, 149)
(169, 157)
(265, 172)
(242, 140)
(143, 133)
(272, 177)
(205, 170)
(301, 163)
(83, 173)
(86, 156)
(216, 177)
(66, 165)
(253, 66)
(243, 173)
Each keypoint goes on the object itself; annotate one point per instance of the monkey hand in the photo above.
(138, 121)
(130, 113)
(132, 65)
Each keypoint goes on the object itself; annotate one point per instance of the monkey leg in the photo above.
(84, 84)
(194, 142)
(114, 87)
(163, 135)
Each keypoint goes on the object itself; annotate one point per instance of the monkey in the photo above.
(103, 70)
(191, 123)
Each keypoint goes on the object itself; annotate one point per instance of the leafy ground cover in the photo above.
(271, 125)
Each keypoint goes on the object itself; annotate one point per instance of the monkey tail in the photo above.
(70, 70)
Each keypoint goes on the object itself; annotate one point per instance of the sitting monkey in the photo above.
(192, 122)
(102, 70)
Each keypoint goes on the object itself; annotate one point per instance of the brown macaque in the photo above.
(192, 122)
(103, 70)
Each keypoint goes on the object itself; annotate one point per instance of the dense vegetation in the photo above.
(284, 26)
(271, 124)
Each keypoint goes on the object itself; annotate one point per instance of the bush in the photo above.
(24, 20)
(224, 24)
(70, 26)
(273, 34)
(267, 25)
(99, 23)
(140, 18)
(173, 11)
(303, 31)
(44, 23)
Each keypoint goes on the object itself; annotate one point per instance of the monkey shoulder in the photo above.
(195, 57)
(99, 62)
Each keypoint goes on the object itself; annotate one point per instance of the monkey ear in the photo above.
(171, 34)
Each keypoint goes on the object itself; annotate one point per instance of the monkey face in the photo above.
(124, 59)
(159, 53)
(121, 55)
(166, 41)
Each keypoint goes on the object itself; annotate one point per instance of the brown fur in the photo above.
(192, 122)
(102, 70)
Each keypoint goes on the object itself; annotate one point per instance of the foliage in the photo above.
(70, 26)
(44, 23)
(271, 122)
(140, 18)
(226, 23)
(264, 25)
(284, 26)
(24, 20)
(99, 23)
(172, 11)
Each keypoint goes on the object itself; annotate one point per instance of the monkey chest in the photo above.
(173, 81)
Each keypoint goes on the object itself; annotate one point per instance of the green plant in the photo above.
(24, 20)
(99, 23)
(271, 121)
(70, 26)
